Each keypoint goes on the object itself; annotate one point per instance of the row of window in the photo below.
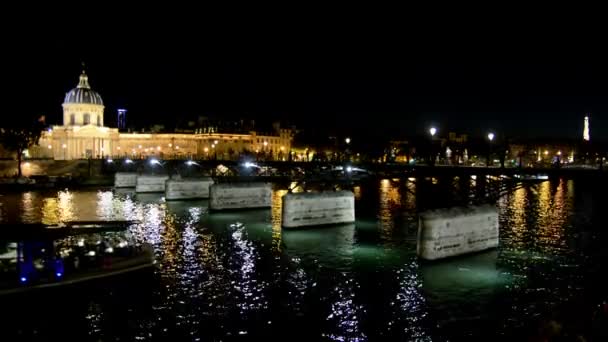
(270, 141)
(86, 119)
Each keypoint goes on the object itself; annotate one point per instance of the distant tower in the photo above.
(122, 119)
(586, 133)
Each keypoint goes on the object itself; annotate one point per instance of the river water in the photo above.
(237, 275)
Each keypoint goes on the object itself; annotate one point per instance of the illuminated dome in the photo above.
(83, 93)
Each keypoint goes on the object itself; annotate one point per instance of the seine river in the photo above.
(237, 275)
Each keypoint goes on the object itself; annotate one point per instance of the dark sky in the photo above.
(352, 81)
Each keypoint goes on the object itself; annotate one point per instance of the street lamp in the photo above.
(432, 131)
(490, 138)
(347, 140)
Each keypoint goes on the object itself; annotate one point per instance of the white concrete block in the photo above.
(125, 179)
(318, 208)
(240, 195)
(456, 231)
(151, 183)
(187, 188)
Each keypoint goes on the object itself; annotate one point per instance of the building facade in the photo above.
(83, 135)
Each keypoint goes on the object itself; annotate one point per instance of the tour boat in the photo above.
(37, 256)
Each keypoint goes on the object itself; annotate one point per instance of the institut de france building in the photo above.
(84, 135)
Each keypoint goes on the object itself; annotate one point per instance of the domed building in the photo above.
(82, 105)
(83, 136)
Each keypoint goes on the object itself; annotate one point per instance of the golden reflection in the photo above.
(170, 238)
(49, 211)
(65, 206)
(390, 199)
(28, 205)
(357, 192)
(58, 209)
(409, 202)
(275, 214)
(518, 214)
(551, 214)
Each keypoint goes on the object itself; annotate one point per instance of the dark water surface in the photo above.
(237, 275)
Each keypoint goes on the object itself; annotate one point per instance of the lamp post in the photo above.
(347, 151)
(490, 139)
(432, 131)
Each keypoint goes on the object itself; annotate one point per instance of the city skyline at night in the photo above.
(311, 79)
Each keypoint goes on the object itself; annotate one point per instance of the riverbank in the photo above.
(52, 182)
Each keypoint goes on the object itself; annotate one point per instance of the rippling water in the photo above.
(221, 276)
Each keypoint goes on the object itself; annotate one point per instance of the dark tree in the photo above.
(20, 136)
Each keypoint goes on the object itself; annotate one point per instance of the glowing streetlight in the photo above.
(206, 149)
(546, 152)
(347, 140)
(490, 136)
(433, 130)
(215, 142)
(265, 143)
(559, 153)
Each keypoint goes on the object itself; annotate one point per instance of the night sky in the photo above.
(346, 82)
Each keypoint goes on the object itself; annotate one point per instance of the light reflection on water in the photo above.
(227, 274)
